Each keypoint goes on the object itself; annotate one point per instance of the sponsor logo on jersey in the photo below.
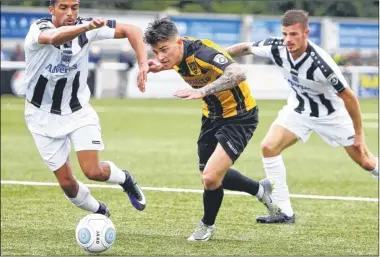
(60, 68)
(333, 79)
(64, 65)
(296, 85)
(200, 81)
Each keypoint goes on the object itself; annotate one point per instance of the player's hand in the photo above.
(142, 76)
(189, 93)
(359, 142)
(96, 23)
(154, 66)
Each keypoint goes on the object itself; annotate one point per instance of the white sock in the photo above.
(375, 172)
(116, 174)
(84, 199)
(260, 192)
(275, 170)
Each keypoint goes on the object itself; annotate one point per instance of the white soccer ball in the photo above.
(95, 233)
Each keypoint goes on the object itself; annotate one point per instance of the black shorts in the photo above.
(232, 133)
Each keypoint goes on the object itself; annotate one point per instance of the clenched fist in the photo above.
(96, 23)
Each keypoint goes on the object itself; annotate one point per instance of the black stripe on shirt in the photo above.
(82, 40)
(57, 96)
(214, 106)
(301, 103)
(39, 91)
(74, 101)
(327, 104)
(111, 24)
(313, 106)
(276, 55)
(239, 99)
(326, 70)
(310, 71)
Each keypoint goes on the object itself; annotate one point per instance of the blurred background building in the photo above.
(347, 29)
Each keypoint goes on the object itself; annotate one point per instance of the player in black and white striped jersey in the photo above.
(57, 109)
(320, 101)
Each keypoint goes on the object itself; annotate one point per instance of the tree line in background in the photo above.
(339, 8)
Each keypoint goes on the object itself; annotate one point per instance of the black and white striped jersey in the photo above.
(314, 77)
(56, 76)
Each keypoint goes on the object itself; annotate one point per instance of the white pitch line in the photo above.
(182, 190)
(165, 110)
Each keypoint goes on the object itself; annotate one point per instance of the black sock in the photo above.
(235, 181)
(212, 200)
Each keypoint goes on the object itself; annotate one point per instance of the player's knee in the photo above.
(367, 164)
(92, 172)
(69, 187)
(210, 180)
(269, 149)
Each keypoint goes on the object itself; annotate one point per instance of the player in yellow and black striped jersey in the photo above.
(230, 114)
(203, 63)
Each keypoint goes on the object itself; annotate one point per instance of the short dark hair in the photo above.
(160, 30)
(292, 17)
(52, 2)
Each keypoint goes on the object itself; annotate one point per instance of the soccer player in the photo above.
(57, 109)
(230, 115)
(320, 101)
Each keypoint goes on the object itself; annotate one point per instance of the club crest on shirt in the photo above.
(63, 66)
(66, 54)
(193, 66)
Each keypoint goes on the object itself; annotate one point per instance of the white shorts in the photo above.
(81, 128)
(336, 129)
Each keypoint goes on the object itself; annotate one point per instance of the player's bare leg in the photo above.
(365, 159)
(212, 176)
(108, 172)
(214, 179)
(76, 192)
(276, 140)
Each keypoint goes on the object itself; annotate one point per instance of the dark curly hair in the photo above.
(160, 30)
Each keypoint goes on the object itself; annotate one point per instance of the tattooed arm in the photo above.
(232, 76)
(261, 48)
(240, 49)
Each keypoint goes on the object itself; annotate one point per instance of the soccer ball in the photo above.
(95, 233)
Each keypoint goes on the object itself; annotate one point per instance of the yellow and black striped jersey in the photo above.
(204, 62)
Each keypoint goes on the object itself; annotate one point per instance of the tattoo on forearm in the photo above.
(239, 49)
(232, 76)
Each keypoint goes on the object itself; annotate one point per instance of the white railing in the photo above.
(265, 81)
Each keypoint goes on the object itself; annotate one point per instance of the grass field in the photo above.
(156, 141)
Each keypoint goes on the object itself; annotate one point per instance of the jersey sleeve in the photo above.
(210, 58)
(265, 47)
(330, 74)
(105, 32)
(31, 39)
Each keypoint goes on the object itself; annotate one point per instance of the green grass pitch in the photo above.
(156, 141)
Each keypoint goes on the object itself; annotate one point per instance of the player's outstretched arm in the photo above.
(352, 105)
(61, 35)
(232, 76)
(240, 49)
(135, 37)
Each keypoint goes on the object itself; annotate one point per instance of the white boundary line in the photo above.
(181, 190)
